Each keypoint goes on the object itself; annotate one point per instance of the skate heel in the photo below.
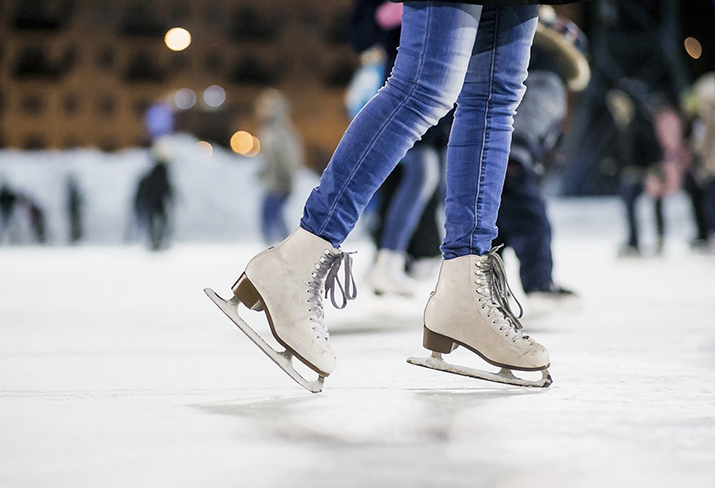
(247, 294)
(437, 342)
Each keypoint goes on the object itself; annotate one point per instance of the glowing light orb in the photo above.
(177, 39)
(242, 143)
(214, 96)
(693, 47)
(185, 98)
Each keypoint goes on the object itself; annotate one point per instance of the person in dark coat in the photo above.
(558, 66)
(8, 200)
(75, 203)
(151, 202)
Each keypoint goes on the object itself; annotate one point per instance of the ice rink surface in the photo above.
(117, 371)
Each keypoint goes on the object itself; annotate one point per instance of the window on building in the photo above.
(34, 142)
(337, 30)
(180, 62)
(179, 13)
(42, 14)
(212, 61)
(32, 62)
(70, 104)
(142, 20)
(250, 70)
(105, 58)
(213, 15)
(33, 105)
(247, 24)
(143, 67)
(108, 144)
(71, 142)
(106, 107)
(339, 74)
(140, 107)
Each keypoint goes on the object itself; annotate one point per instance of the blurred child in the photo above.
(282, 153)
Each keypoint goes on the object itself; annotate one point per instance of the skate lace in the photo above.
(326, 274)
(496, 294)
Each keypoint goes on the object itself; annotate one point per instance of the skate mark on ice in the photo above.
(284, 359)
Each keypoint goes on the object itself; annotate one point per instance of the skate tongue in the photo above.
(331, 280)
(501, 289)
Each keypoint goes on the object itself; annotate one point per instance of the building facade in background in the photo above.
(82, 73)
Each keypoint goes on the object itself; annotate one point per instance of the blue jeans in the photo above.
(273, 225)
(418, 182)
(449, 52)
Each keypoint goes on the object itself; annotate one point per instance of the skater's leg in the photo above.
(435, 49)
(696, 194)
(659, 223)
(272, 225)
(709, 204)
(523, 218)
(281, 227)
(479, 143)
(630, 191)
(470, 304)
(420, 176)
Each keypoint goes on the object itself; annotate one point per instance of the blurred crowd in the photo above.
(660, 138)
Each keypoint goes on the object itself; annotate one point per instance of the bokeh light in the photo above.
(205, 148)
(245, 144)
(214, 96)
(177, 39)
(185, 98)
(693, 47)
(255, 149)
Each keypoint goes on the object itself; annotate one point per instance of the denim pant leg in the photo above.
(273, 225)
(435, 50)
(420, 177)
(479, 144)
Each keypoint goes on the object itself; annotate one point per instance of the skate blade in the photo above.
(283, 359)
(504, 376)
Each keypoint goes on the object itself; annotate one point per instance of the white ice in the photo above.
(117, 371)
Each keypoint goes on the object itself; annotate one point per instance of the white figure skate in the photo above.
(470, 308)
(287, 282)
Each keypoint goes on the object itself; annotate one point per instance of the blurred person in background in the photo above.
(703, 142)
(8, 202)
(282, 156)
(154, 193)
(153, 198)
(651, 149)
(75, 202)
(558, 65)
(36, 218)
(403, 197)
